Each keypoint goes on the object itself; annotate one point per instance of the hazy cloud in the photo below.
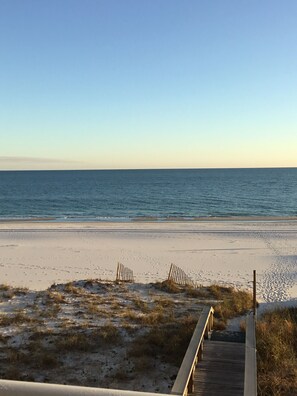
(35, 160)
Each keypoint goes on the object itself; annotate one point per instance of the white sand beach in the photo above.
(38, 254)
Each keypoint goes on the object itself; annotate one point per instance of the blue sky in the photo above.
(147, 84)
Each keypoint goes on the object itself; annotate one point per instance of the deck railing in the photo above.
(21, 388)
(250, 374)
(184, 380)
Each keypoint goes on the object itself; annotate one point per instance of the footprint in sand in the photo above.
(278, 279)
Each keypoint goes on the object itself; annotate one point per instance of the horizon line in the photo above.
(148, 169)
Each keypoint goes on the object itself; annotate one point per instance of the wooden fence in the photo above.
(124, 274)
(179, 276)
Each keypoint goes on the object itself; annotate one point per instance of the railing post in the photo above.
(254, 293)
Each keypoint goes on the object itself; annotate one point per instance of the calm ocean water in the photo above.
(127, 194)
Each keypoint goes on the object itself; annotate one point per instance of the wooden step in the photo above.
(221, 370)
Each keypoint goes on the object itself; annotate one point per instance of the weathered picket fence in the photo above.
(124, 274)
(177, 275)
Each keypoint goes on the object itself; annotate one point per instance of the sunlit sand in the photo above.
(38, 254)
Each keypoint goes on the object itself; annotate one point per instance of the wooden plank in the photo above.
(221, 371)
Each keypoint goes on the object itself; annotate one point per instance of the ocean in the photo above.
(125, 195)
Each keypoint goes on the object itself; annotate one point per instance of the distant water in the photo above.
(128, 194)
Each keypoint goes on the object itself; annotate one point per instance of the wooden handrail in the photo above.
(22, 388)
(250, 373)
(184, 380)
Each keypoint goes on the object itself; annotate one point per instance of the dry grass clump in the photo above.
(86, 340)
(4, 287)
(233, 303)
(169, 341)
(75, 290)
(153, 318)
(50, 312)
(16, 319)
(277, 353)
(109, 333)
(168, 286)
(141, 305)
(56, 297)
(198, 292)
(74, 341)
(20, 291)
(164, 302)
(7, 292)
(130, 315)
(39, 333)
(93, 308)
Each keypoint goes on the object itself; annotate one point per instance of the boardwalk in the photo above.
(221, 371)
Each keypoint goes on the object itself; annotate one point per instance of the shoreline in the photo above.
(148, 219)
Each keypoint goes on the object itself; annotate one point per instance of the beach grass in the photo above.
(277, 352)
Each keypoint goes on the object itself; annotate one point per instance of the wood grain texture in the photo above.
(221, 371)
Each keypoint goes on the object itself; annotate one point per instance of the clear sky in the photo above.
(147, 83)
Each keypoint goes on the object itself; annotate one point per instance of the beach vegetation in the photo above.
(141, 305)
(276, 335)
(20, 291)
(50, 312)
(199, 292)
(8, 292)
(93, 308)
(16, 319)
(73, 341)
(163, 302)
(169, 341)
(4, 287)
(56, 297)
(149, 327)
(130, 315)
(152, 318)
(168, 286)
(231, 303)
(109, 333)
(74, 290)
